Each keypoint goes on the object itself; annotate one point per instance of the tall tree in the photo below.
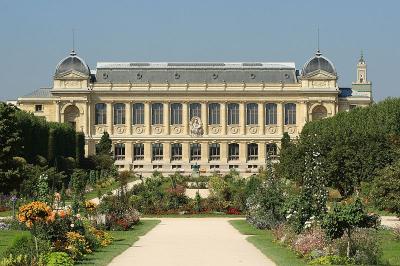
(105, 145)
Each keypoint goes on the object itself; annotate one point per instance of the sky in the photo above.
(36, 35)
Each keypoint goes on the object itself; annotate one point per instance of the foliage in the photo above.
(78, 184)
(34, 212)
(331, 260)
(105, 145)
(309, 241)
(59, 259)
(80, 148)
(77, 245)
(385, 191)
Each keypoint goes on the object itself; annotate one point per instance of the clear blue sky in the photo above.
(35, 35)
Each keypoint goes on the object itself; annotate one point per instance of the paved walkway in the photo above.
(390, 221)
(194, 242)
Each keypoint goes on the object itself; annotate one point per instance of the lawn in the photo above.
(264, 241)
(6, 213)
(200, 215)
(7, 237)
(390, 248)
(122, 241)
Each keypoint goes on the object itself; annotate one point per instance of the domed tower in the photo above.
(319, 72)
(72, 72)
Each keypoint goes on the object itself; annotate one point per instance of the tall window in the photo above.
(138, 152)
(138, 114)
(290, 114)
(156, 113)
(195, 152)
(176, 151)
(233, 152)
(233, 114)
(119, 151)
(119, 113)
(213, 114)
(252, 152)
(272, 150)
(194, 110)
(252, 114)
(214, 151)
(157, 152)
(100, 114)
(270, 114)
(176, 114)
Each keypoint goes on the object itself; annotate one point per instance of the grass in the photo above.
(6, 213)
(122, 241)
(200, 215)
(7, 237)
(390, 248)
(264, 241)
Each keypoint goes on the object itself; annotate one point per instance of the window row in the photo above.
(214, 151)
(214, 113)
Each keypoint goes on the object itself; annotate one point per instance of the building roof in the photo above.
(345, 92)
(195, 72)
(318, 62)
(39, 93)
(72, 62)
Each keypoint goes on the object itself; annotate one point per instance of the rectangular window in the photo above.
(233, 114)
(233, 166)
(176, 114)
(353, 106)
(119, 113)
(38, 108)
(157, 152)
(252, 114)
(138, 152)
(252, 152)
(214, 114)
(233, 152)
(290, 114)
(270, 114)
(138, 114)
(272, 150)
(119, 151)
(195, 110)
(195, 152)
(157, 166)
(214, 151)
(100, 114)
(157, 114)
(176, 151)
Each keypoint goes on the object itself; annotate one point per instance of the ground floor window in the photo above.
(195, 152)
(233, 166)
(176, 152)
(233, 152)
(214, 152)
(157, 152)
(272, 150)
(157, 166)
(252, 152)
(138, 152)
(119, 151)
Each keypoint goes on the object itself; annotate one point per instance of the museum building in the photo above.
(172, 116)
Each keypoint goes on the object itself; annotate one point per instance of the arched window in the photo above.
(214, 114)
(100, 114)
(319, 112)
(290, 114)
(119, 113)
(176, 114)
(233, 114)
(194, 110)
(138, 114)
(156, 113)
(252, 114)
(252, 152)
(233, 152)
(270, 114)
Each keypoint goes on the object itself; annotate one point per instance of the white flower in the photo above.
(72, 225)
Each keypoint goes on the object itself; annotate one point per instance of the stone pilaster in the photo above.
(281, 117)
(223, 151)
(166, 152)
(128, 118)
(147, 117)
(185, 118)
(166, 117)
(223, 118)
(242, 118)
(148, 152)
(243, 151)
(110, 118)
(204, 152)
(204, 118)
(261, 117)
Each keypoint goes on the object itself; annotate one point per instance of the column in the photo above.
(147, 151)
(110, 118)
(281, 117)
(223, 118)
(90, 118)
(242, 118)
(185, 117)
(204, 152)
(223, 151)
(129, 151)
(128, 118)
(147, 117)
(185, 152)
(261, 118)
(58, 117)
(243, 152)
(261, 152)
(86, 118)
(166, 118)
(204, 118)
(167, 152)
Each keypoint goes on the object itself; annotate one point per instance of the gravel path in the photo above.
(194, 242)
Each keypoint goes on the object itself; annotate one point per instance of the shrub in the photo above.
(20, 260)
(284, 233)
(59, 259)
(77, 245)
(25, 246)
(310, 240)
(331, 260)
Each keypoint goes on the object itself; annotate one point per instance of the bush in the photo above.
(59, 259)
(77, 245)
(25, 246)
(331, 260)
(310, 240)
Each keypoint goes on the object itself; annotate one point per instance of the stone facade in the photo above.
(171, 116)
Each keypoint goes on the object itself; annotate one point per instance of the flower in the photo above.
(72, 225)
(33, 212)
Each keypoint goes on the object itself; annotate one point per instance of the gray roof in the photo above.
(318, 62)
(199, 72)
(72, 62)
(39, 93)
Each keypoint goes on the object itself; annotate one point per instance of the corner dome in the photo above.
(72, 62)
(318, 62)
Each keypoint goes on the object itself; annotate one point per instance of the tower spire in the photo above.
(318, 53)
(73, 43)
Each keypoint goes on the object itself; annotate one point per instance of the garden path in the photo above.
(390, 221)
(195, 242)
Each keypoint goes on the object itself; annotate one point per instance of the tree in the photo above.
(79, 148)
(105, 145)
(344, 218)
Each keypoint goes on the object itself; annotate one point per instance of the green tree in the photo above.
(79, 148)
(105, 145)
